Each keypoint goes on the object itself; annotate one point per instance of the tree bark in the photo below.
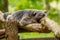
(11, 30)
(53, 26)
(35, 27)
(2, 31)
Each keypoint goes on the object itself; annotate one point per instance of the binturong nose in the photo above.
(43, 14)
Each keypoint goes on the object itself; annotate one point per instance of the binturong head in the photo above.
(39, 14)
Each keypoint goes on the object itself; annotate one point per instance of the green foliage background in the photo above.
(26, 4)
(53, 13)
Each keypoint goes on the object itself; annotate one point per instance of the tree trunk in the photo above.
(4, 5)
(11, 30)
(47, 5)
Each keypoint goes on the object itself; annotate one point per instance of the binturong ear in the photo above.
(45, 11)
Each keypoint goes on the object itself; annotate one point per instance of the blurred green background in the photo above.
(53, 7)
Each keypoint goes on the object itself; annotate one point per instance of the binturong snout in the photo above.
(40, 14)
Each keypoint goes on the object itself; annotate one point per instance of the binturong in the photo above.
(25, 17)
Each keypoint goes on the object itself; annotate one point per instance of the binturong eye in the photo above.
(34, 14)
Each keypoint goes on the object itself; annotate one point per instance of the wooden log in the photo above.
(2, 31)
(36, 27)
(52, 25)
